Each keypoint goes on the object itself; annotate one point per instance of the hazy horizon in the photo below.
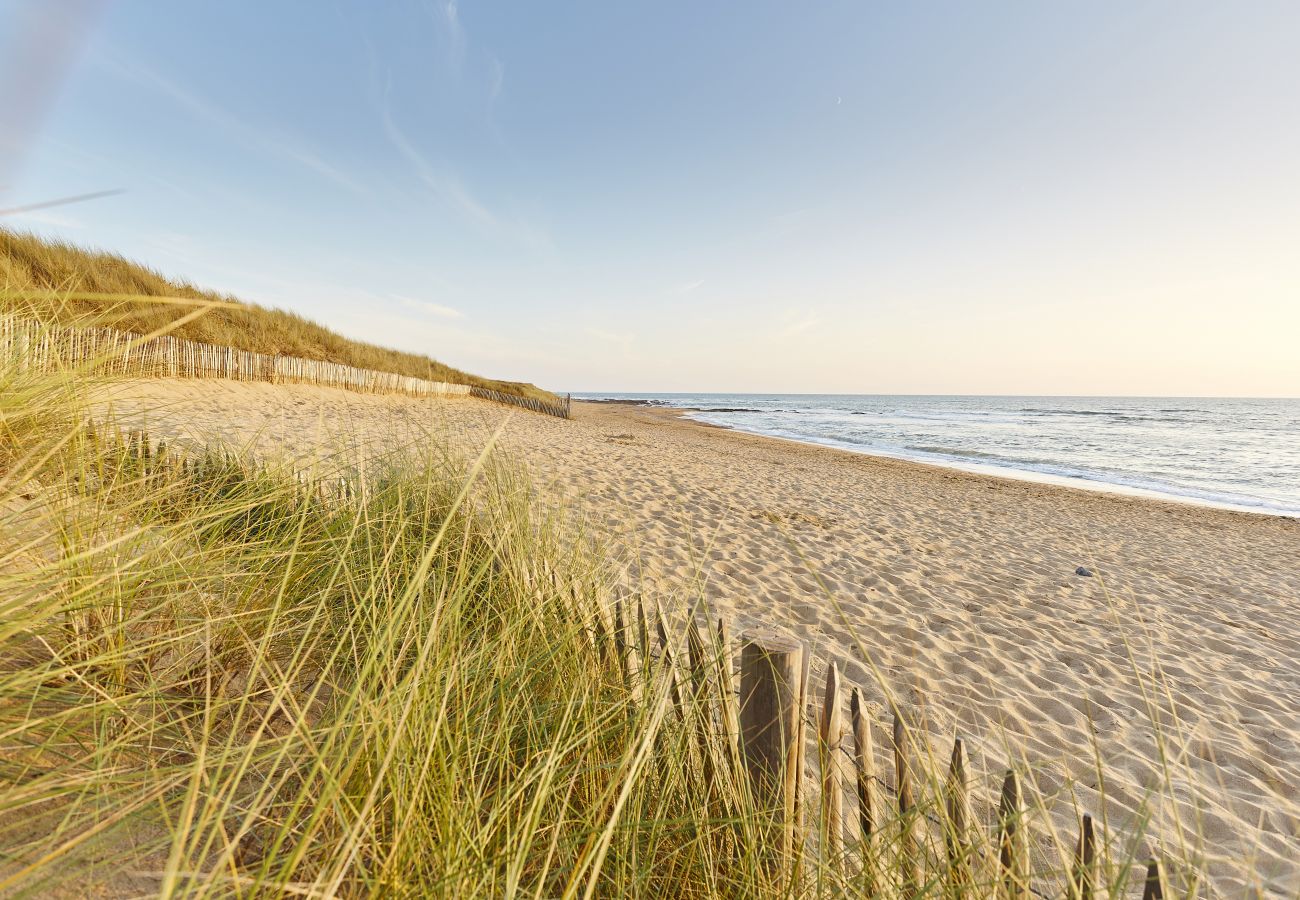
(597, 393)
(848, 199)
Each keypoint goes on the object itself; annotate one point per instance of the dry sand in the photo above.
(961, 589)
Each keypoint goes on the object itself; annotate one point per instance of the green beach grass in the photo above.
(215, 681)
(70, 285)
(223, 679)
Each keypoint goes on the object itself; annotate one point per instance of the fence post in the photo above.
(702, 709)
(621, 648)
(908, 848)
(668, 664)
(865, 765)
(1083, 875)
(1013, 854)
(800, 747)
(1154, 889)
(830, 743)
(771, 672)
(957, 827)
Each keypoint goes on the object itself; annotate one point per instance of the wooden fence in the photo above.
(106, 351)
(934, 845)
(560, 410)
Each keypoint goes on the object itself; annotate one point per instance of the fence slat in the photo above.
(908, 820)
(1084, 873)
(771, 666)
(958, 813)
(1013, 840)
(668, 664)
(864, 763)
(1154, 889)
(700, 693)
(727, 692)
(831, 734)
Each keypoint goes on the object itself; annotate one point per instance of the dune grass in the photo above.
(216, 680)
(219, 678)
(70, 285)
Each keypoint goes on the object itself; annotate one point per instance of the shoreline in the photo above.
(988, 470)
(681, 416)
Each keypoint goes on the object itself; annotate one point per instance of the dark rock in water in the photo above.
(1086, 573)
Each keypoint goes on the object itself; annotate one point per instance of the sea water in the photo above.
(1238, 453)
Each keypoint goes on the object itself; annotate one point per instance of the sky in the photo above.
(841, 197)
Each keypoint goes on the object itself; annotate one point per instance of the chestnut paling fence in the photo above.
(106, 351)
(918, 836)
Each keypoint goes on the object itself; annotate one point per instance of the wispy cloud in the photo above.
(447, 186)
(446, 16)
(434, 309)
(612, 337)
(799, 323)
(496, 78)
(688, 286)
(40, 217)
(255, 137)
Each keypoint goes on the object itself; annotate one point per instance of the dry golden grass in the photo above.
(72, 275)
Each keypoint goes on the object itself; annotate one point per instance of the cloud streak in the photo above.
(448, 187)
(251, 136)
(799, 326)
(433, 309)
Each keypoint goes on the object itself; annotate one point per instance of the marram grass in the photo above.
(69, 285)
(219, 679)
(216, 680)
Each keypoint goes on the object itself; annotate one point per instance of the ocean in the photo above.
(1236, 453)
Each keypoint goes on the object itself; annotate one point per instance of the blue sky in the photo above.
(854, 197)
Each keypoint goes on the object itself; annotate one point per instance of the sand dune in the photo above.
(959, 590)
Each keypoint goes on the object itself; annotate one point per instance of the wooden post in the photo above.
(1083, 875)
(668, 664)
(1013, 840)
(908, 849)
(1154, 889)
(642, 638)
(727, 692)
(621, 648)
(866, 771)
(957, 828)
(700, 706)
(801, 745)
(771, 669)
(698, 660)
(829, 746)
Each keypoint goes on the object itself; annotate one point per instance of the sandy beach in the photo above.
(959, 590)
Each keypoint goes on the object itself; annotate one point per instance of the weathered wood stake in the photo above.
(668, 664)
(1083, 875)
(771, 666)
(957, 827)
(829, 746)
(806, 712)
(621, 648)
(1155, 884)
(701, 708)
(908, 845)
(1013, 840)
(866, 772)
